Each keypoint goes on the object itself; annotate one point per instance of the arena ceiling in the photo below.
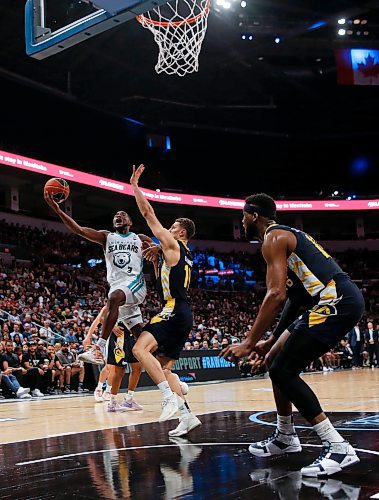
(270, 105)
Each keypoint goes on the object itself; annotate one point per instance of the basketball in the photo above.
(58, 188)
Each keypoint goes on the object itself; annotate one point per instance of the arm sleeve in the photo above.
(289, 313)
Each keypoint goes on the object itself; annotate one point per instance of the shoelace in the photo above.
(273, 436)
(324, 451)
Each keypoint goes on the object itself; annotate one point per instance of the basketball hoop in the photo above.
(179, 28)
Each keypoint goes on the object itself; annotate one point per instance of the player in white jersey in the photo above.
(124, 261)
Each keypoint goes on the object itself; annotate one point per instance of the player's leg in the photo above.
(188, 421)
(118, 375)
(135, 373)
(296, 354)
(145, 345)
(116, 299)
(284, 439)
(103, 376)
(131, 317)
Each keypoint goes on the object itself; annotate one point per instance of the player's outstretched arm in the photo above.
(274, 250)
(170, 246)
(85, 232)
(95, 323)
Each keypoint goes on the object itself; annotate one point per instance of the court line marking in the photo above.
(151, 422)
(129, 448)
(255, 418)
(375, 496)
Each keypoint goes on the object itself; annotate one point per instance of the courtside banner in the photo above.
(196, 366)
(48, 169)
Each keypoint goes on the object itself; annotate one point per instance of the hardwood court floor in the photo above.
(338, 391)
(56, 448)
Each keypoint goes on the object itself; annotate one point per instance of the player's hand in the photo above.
(51, 202)
(118, 331)
(256, 362)
(151, 252)
(136, 174)
(263, 346)
(234, 352)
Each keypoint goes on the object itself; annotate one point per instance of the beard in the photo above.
(252, 233)
(121, 228)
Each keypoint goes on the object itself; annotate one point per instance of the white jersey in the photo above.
(123, 257)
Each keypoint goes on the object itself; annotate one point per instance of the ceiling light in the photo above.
(250, 37)
(342, 32)
(277, 40)
(243, 4)
(364, 21)
(226, 5)
(342, 21)
(357, 21)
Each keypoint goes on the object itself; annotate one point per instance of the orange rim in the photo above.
(192, 20)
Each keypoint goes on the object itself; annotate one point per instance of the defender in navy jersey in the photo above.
(301, 270)
(173, 324)
(167, 332)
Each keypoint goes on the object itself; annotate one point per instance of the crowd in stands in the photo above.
(48, 302)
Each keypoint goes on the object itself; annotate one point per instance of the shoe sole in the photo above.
(197, 424)
(331, 471)
(257, 453)
(91, 362)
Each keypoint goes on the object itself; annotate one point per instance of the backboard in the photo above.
(55, 25)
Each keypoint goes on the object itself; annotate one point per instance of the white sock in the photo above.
(183, 407)
(165, 389)
(285, 424)
(129, 395)
(326, 432)
(109, 388)
(99, 386)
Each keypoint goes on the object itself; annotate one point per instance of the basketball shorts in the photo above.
(129, 315)
(171, 328)
(135, 291)
(120, 349)
(338, 310)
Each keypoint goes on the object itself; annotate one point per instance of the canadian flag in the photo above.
(357, 66)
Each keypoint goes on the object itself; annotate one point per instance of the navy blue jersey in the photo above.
(310, 267)
(173, 282)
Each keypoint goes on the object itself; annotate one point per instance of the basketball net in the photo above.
(179, 28)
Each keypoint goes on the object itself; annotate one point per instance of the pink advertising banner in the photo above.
(71, 175)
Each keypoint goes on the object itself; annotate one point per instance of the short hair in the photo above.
(188, 225)
(263, 201)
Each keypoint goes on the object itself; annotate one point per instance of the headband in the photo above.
(255, 209)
